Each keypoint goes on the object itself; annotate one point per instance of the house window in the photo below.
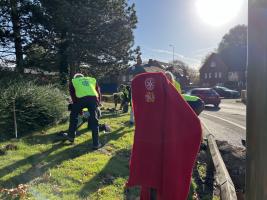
(220, 74)
(215, 74)
(240, 83)
(210, 75)
(212, 64)
(206, 75)
(233, 76)
(124, 78)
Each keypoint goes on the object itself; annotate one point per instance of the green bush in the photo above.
(36, 106)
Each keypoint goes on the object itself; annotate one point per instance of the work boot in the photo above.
(97, 147)
(67, 138)
(107, 128)
(71, 140)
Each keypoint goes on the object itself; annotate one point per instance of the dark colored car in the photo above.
(208, 95)
(226, 92)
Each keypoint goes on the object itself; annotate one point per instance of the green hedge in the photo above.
(36, 106)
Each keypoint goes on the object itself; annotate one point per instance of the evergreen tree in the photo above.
(15, 26)
(95, 33)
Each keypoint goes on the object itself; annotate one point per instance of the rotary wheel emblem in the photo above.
(150, 84)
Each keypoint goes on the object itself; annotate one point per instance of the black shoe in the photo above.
(97, 147)
(107, 129)
(71, 140)
(67, 138)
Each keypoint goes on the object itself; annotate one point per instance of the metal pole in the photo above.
(256, 171)
(153, 194)
(15, 119)
(172, 53)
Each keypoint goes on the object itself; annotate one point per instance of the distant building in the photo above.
(215, 72)
(152, 66)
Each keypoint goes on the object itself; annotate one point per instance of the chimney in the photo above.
(150, 62)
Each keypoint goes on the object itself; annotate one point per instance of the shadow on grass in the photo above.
(42, 162)
(50, 138)
(116, 168)
(117, 114)
(7, 135)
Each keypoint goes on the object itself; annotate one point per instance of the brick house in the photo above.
(215, 72)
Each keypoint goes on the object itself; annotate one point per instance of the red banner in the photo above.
(167, 138)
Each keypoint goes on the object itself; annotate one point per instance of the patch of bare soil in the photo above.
(234, 158)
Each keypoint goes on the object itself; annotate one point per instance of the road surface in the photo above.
(226, 123)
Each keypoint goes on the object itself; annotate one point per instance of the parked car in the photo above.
(208, 95)
(226, 92)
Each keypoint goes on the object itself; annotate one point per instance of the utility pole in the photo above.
(256, 163)
(171, 45)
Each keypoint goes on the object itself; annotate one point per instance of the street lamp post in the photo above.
(171, 45)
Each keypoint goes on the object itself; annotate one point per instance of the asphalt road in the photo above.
(226, 123)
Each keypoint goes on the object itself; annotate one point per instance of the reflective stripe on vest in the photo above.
(84, 86)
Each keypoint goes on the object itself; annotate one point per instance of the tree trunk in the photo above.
(63, 56)
(74, 68)
(17, 35)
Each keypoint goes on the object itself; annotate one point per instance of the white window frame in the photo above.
(213, 64)
(206, 76)
(210, 75)
(215, 75)
(220, 75)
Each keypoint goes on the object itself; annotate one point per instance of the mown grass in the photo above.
(55, 170)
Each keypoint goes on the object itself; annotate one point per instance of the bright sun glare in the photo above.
(218, 12)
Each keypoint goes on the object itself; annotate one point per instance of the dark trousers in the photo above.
(91, 105)
(198, 106)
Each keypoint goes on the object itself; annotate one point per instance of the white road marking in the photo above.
(235, 124)
(206, 127)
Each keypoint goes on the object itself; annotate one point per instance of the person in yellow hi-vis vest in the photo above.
(195, 102)
(171, 78)
(85, 93)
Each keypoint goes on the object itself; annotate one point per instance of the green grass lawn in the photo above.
(54, 170)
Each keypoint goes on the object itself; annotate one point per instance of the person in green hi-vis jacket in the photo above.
(195, 102)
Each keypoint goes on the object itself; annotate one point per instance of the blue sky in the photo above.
(177, 22)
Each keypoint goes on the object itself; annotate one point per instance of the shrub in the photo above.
(35, 106)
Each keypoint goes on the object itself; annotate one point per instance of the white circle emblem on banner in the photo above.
(150, 84)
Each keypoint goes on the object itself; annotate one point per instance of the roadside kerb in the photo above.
(225, 183)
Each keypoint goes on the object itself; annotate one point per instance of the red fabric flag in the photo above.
(167, 139)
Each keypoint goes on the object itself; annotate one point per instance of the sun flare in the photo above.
(218, 12)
